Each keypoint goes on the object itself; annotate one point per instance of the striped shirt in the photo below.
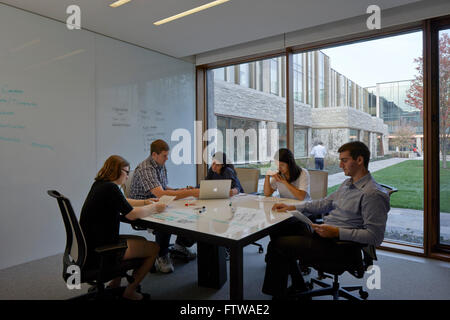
(147, 176)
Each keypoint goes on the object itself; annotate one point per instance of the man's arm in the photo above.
(180, 194)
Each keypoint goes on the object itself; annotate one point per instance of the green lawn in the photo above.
(407, 177)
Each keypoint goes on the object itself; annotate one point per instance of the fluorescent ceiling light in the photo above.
(118, 3)
(183, 14)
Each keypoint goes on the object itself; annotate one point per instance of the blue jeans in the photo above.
(319, 163)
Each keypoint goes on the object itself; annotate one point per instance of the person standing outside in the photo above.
(319, 152)
(150, 181)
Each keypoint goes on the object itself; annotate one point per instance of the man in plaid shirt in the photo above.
(150, 181)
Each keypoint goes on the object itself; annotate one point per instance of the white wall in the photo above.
(68, 100)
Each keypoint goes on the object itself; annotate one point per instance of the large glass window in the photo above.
(244, 75)
(251, 124)
(274, 72)
(298, 76)
(371, 104)
(444, 135)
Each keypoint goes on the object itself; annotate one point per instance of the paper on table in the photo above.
(300, 216)
(166, 199)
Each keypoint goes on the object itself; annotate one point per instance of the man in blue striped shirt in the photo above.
(150, 181)
(356, 212)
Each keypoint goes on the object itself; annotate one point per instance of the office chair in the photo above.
(333, 270)
(249, 179)
(318, 184)
(111, 264)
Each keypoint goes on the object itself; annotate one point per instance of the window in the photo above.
(274, 80)
(353, 135)
(250, 119)
(244, 75)
(219, 74)
(298, 78)
(364, 86)
(444, 136)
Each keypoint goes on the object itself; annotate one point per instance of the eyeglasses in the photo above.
(126, 171)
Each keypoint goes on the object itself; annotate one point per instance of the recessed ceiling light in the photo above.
(118, 3)
(188, 12)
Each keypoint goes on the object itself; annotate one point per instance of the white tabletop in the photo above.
(234, 218)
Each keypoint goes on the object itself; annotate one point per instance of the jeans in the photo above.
(319, 163)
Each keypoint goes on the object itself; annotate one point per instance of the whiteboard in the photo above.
(62, 99)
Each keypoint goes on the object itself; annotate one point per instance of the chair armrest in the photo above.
(390, 189)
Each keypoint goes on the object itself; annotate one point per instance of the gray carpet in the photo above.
(402, 277)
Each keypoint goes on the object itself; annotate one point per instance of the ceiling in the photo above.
(231, 23)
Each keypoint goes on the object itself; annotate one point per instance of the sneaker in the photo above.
(183, 252)
(164, 264)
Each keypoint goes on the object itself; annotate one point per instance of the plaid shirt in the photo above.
(147, 176)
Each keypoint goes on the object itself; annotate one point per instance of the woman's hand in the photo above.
(280, 178)
(160, 207)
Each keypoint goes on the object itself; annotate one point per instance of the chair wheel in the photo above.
(363, 294)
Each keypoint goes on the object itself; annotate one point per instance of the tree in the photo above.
(414, 96)
(403, 137)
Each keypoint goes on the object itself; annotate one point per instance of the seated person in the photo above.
(291, 181)
(100, 221)
(150, 181)
(357, 212)
(221, 169)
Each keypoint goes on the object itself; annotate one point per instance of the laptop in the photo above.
(215, 189)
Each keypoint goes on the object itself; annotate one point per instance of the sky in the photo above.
(383, 60)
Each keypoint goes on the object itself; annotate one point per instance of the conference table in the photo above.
(234, 223)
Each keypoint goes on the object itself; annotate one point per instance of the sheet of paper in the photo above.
(167, 199)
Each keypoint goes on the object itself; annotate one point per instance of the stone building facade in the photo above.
(328, 107)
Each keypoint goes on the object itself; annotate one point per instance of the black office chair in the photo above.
(111, 263)
(334, 269)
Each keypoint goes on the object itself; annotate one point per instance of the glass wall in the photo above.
(336, 99)
(249, 112)
(444, 135)
(366, 100)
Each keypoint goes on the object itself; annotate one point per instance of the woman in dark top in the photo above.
(221, 169)
(100, 221)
